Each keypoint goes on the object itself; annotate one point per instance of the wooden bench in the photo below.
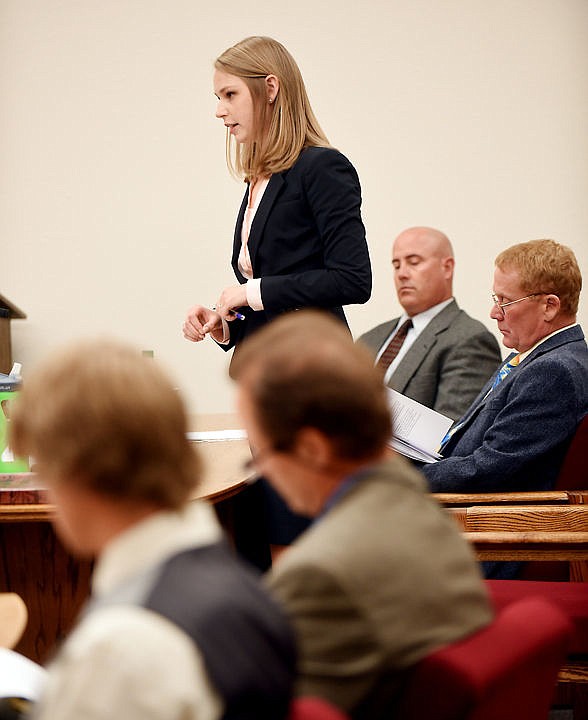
(528, 532)
(538, 568)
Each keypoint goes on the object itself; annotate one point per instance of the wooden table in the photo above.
(224, 474)
(53, 584)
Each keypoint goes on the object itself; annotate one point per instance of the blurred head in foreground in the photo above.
(105, 428)
(313, 405)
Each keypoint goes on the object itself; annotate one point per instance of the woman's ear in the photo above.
(272, 85)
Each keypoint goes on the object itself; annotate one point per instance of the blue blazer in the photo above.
(516, 438)
(307, 241)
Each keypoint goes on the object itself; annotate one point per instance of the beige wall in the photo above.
(116, 209)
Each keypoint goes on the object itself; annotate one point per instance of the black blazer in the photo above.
(307, 241)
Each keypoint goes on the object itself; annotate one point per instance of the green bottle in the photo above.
(9, 387)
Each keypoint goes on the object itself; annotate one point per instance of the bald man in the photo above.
(446, 356)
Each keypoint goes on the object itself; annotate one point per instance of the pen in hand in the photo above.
(238, 315)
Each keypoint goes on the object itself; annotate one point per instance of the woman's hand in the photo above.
(231, 297)
(200, 321)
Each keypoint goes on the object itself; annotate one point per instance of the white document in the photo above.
(216, 435)
(20, 677)
(417, 430)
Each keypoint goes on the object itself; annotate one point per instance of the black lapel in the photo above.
(238, 226)
(267, 202)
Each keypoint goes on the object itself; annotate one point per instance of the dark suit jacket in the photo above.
(373, 586)
(447, 364)
(516, 438)
(307, 241)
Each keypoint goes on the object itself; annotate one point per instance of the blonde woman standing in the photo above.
(299, 238)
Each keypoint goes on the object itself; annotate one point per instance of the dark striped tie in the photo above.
(394, 346)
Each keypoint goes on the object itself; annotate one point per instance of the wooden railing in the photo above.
(540, 526)
(548, 497)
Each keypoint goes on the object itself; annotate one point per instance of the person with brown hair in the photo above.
(515, 434)
(176, 627)
(382, 576)
(299, 239)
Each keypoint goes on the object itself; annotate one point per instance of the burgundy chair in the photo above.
(570, 598)
(508, 670)
(314, 708)
(573, 474)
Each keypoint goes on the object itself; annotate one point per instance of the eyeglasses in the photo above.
(501, 306)
(252, 465)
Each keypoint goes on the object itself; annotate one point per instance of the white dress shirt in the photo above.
(253, 286)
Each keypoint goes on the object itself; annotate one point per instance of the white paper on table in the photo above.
(216, 435)
(20, 677)
(417, 430)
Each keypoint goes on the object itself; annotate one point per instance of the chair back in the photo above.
(508, 670)
(573, 474)
(314, 708)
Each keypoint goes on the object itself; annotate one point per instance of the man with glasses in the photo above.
(446, 355)
(516, 432)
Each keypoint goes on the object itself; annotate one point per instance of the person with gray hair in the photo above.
(176, 627)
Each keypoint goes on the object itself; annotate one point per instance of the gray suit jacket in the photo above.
(373, 586)
(447, 364)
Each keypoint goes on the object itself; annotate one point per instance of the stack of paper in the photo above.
(417, 430)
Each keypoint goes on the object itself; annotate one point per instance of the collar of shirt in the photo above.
(152, 540)
(419, 323)
(244, 260)
(526, 354)
(345, 486)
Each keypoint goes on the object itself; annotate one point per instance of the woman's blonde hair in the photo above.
(283, 128)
